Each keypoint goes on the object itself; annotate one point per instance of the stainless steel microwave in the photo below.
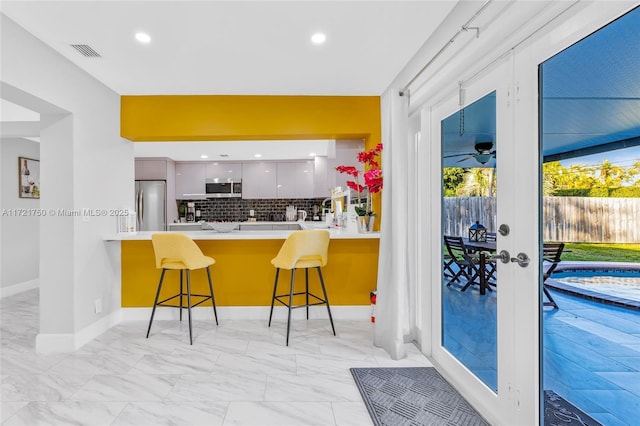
(223, 187)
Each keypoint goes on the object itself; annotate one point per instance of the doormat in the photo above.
(413, 396)
(558, 411)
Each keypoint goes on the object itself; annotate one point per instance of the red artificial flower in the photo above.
(355, 186)
(350, 170)
(373, 179)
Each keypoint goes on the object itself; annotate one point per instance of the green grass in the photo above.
(602, 252)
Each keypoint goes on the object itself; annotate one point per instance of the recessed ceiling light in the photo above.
(257, 155)
(204, 156)
(312, 154)
(143, 37)
(318, 38)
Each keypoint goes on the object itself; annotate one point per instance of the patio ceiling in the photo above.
(590, 104)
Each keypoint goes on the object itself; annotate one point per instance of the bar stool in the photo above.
(179, 252)
(302, 249)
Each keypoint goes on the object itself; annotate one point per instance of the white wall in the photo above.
(20, 239)
(85, 164)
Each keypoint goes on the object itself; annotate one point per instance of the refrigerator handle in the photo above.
(141, 206)
(138, 209)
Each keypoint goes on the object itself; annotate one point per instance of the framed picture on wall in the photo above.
(28, 177)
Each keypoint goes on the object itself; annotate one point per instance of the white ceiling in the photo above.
(236, 47)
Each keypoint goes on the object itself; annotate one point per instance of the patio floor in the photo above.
(591, 351)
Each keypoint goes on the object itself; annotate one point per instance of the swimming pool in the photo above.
(620, 286)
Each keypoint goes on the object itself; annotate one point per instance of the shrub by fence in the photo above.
(568, 219)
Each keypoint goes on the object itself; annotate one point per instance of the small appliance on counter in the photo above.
(302, 215)
(291, 214)
(191, 212)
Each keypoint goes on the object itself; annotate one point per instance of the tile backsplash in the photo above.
(237, 209)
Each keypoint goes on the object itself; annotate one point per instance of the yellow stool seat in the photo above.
(175, 251)
(302, 250)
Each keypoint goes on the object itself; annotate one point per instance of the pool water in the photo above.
(623, 284)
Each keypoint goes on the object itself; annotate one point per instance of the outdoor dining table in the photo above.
(482, 247)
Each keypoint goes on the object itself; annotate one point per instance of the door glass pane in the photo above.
(590, 137)
(469, 278)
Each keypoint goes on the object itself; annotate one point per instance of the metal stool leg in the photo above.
(293, 272)
(324, 291)
(181, 293)
(273, 298)
(189, 305)
(306, 279)
(213, 299)
(155, 302)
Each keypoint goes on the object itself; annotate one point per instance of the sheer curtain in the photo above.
(392, 327)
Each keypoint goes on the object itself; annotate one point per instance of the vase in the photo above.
(372, 222)
(363, 224)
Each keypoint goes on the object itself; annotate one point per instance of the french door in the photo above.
(485, 335)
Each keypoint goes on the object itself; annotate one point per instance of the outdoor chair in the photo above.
(468, 268)
(551, 253)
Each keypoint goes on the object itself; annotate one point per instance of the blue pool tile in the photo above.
(608, 419)
(632, 362)
(575, 374)
(629, 381)
(621, 404)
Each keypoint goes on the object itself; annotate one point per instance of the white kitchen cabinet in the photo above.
(321, 186)
(190, 179)
(295, 179)
(150, 169)
(224, 170)
(259, 180)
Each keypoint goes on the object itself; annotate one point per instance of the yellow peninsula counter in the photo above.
(243, 274)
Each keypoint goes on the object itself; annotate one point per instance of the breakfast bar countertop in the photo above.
(336, 233)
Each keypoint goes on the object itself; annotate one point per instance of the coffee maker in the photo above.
(191, 212)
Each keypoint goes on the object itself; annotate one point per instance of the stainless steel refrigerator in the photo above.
(151, 205)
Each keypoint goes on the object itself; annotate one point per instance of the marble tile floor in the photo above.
(239, 373)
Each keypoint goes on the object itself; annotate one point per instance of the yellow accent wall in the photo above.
(243, 274)
(228, 117)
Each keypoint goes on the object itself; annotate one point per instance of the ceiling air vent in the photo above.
(86, 50)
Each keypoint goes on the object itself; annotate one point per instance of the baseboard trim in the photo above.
(60, 343)
(57, 343)
(249, 313)
(19, 288)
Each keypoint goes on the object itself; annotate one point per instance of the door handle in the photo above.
(521, 259)
(503, 256)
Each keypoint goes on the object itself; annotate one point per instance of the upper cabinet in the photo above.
(259, 180)
(295, 179)
(224, 170)
(190, 179)
(150, 169)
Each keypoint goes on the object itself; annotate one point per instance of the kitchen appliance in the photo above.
(291, 213)
(223, 187)
(151, 206)
(302, 215)
(191, 212)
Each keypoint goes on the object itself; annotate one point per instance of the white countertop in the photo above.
(336, 233)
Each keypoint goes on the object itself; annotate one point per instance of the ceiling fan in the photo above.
(482, 155)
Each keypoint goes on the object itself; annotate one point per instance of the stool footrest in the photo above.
(320, 300)
(204, 296)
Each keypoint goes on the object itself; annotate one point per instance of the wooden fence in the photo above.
(568, 219)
